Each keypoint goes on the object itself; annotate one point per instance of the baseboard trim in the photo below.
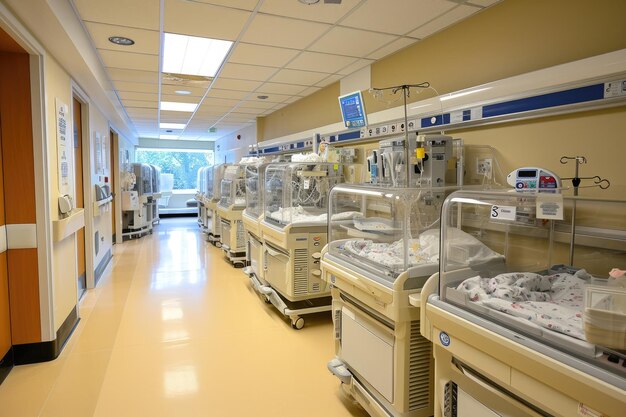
(102, 266)
(6, 364)
(46, 351)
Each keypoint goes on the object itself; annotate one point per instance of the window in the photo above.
(182, 163)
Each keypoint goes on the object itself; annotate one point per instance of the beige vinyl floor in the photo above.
(173, 330)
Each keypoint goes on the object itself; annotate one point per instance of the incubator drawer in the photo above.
(225, 235)
(368, 351)
(277, 271)
(255, 251)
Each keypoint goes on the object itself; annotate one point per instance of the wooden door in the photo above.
(5, 312)
(79, 193)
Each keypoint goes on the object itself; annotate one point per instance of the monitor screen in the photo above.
(353, 110)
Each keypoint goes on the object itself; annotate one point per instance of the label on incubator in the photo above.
(550, 206)
(615, 88)
(503, 213)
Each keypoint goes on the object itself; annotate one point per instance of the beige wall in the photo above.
(64, 260)
(511, 38)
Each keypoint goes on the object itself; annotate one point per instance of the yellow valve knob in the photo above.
(420, 153)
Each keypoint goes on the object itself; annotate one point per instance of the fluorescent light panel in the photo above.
(176, 106)
(172, 125)
(192, 55)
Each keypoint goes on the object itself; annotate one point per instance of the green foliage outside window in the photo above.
(182, 163)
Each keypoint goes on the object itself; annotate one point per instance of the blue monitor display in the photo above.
(353, 110)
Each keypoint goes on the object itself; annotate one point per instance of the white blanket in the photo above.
(298, 215)
(554, 302)
(424, 249)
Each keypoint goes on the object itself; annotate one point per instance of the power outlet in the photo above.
(484, 166)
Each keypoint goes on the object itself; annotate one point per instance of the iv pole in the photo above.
(406, 92)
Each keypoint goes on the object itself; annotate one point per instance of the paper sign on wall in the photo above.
(64, 157)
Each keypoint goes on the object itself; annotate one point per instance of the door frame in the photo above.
(37, 54)
(117, 190)
(87, 181)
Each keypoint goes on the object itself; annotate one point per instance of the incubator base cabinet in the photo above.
(230, 209)
(212, 222)
(543, 333)
(294, 231)
(383, 246)
(252, 217)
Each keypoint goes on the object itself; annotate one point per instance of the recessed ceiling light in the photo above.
(309, 2)
(262, 97)
(121, 40)
(183, 92)
(192, 55)
(176, 106)
(172, 126)
(168, 136)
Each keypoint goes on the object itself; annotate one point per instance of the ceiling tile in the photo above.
(247, 72)
(141, 112)
(122, 74)
(391, 48)
(217, 93)
(483, 3)
(215, 101)
(146, 41)
(237, 4)
(245, 53)
(451, 17)
(351, 42)
(289, 76)
(271, 88)
(140, 103)
(292, 100)
(260, 104)
(316, 12)
(137, 13)
(170, 89)
(402, 17)
(200, 19)
(212, 109)
(128, 60)
(130, 95)
(233, 84)
(329, 80)
(136, 87)
(309, 91)
(279, 31)
(246, 111)
(180, 99)
(174, 117)
(315, 61)
(356, 66)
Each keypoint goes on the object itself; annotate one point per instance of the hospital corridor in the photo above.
(312, 208)
(174, 330)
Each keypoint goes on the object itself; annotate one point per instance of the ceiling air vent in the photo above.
(187, 80)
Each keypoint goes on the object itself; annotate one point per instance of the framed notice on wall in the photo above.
(64, 152)
(98, 147)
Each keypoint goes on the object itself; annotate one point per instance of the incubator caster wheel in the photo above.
(297, 323)
(238, 264)
(218, 244)
(268, 301)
